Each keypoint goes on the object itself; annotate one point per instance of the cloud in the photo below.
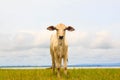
(78, 55)
(5, 41)
(32, 48)
(95, 40)
(102, 40)
(25, 40)
(77, 38)
(116, 44)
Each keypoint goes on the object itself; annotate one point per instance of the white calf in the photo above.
(59, 47)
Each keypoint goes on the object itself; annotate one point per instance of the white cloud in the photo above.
(5, 41)
(78, 55)
(29, 47)
(76, 38)
(24, 40)
(102, 40)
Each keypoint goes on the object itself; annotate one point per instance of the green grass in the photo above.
(46, 74)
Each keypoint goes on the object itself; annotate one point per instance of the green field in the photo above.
(73, 74)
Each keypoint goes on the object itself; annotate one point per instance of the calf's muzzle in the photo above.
(61, 37)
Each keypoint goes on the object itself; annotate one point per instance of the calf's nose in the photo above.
(61, 37)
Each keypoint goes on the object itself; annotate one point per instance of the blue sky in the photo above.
(24, 39)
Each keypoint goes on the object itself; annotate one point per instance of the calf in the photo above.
(59, 47)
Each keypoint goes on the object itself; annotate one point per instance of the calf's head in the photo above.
(60, 28)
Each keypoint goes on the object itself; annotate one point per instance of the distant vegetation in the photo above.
(46, 74)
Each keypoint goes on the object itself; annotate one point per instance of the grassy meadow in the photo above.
(73, 74)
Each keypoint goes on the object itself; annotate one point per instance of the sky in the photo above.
(24, 39)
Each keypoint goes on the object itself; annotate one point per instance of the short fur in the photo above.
(59, 47)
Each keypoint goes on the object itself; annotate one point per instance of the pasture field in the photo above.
(73, 74)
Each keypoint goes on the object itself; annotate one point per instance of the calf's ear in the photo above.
(51, 28)
(69, 28)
